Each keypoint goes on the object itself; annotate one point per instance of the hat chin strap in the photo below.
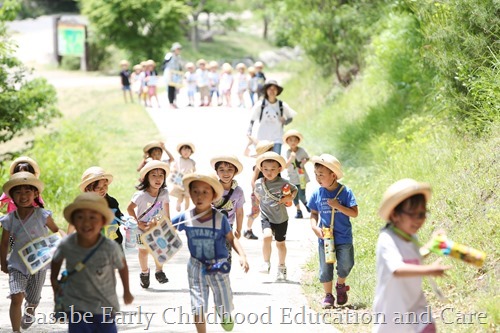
(333, 182)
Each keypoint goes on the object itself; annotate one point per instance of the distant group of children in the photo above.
(213, 229)
(213, 86)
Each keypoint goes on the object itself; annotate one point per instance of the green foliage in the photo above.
(145, 28)
(35, 8)
(70, 63)
(9, 10)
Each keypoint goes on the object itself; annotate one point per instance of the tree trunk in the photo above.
(266, 26)
(208, 22)
(195, 33)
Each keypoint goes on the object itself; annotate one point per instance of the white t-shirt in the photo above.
(271, 127)
(144, 200)
(400, 299)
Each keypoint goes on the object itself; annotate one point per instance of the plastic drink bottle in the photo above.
(329, 246)
(130, 235)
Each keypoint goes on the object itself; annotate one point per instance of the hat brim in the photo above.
(296, 134)
(91, 205)
(154, 165)
(86, 182)
(336, 170)
(189, 144)
(25, 159)
(266, 86)
(389, 203)
(32, 181)
(227, 159)
(278, 158)
(263, 148)
(212, 181)
(151, 145)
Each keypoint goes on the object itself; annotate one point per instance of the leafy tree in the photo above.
(25, 103)
(142, 27)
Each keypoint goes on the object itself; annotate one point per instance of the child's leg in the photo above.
(199, 322)
(199, 291)
(33, 295)
(131, 96)
(15, 312)
(281, 246)
(325, 277)
(160, 274)
(124, 95)
(345, 262)
(267, 236)
(223, 297)
(143, 260)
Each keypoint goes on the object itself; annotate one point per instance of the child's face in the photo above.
(156, 178)
(226, 172)
(270, 169)
(102, 187)
(88, 224)
(202, 194)
(293, 141)
(124, 66)
(409, 220)
(185, 152)
(272, 91)
(324, 176)
(138, 70)
(23, 196)
(156, 154)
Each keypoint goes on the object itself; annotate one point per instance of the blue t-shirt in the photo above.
(342, 225)
(204, 241)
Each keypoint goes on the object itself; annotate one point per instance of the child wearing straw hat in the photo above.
(207, 231)
(153, 150)
(272, 199)
(90, 288)
(149, 201)
(233, 198)
(95, 179)
(399, 264)
(332, 205)
(24, 225)
(261, 147)
(297, 157)
(125, 80)
(184, 165)
(22, 163)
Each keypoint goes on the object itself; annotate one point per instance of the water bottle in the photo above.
(329, 246)
(302, 179)
(130, 234)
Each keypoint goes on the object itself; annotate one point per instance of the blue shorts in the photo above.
(345, 262)
(95, 324)
(126, 88)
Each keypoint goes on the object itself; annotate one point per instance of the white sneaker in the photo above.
(281, 276)
(265, 267)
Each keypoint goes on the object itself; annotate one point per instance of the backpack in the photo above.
(280, 104)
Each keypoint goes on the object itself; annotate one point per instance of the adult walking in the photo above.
(173, 72)
(272, 115)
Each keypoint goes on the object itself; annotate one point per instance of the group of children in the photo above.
(212, 228)
(203, 79)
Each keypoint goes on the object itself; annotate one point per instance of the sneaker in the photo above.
(328, 301)
(144, 280)
(161, 277)
(299, 215)
(227, 324)
(281, 276)
(250, 235)
(307, 208)
(27, 321)
(342, 290)
(265, 267)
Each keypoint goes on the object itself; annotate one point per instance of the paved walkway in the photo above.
(261, 303)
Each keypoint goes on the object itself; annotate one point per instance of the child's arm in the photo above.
(235, 243)
(239, 222)
(255, 176)
(166, 209)
(410, 270)
(170, 156)
(291, 159)
(53, 227)
(142, 164)
(288, 198)
(4, 249)
(55, 268)
(349, 211)
(314, 224)
(127, 296)
(71, 229)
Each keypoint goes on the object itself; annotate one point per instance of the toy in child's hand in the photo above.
(440, 244)
(286, 190)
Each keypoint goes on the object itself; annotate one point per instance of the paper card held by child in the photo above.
(38, 253)
(162, 241)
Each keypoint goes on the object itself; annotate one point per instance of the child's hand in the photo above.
(162, 145)
(244, 264)
(334, 203)
(318, 231)
(237, 234)
(128, 298)
(286, 199)
(143, 225)
(293, 156)
(5, 268)
(437, 269)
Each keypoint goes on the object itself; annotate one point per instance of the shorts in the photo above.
(255, 207)
(152, 90)
(279, 230)
(126, 88)
(200, 285)
(345, 262)
(96, 323)
(30, 285)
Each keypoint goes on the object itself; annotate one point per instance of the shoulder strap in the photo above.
(89, 255)
(262, 108)
(332, 220)
(226, 198)
(280, 104)
(150, 207)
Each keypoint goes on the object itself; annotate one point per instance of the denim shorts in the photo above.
(345, 262)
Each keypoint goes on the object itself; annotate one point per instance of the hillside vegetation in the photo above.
(426, 106)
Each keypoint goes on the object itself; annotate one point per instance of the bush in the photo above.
(70, 63)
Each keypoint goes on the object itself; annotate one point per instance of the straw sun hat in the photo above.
(22, 178)
(93, 174)
(263, 146)
(151, 165)
(272, 83)
(151, 145)
(400, 191)
(189, 144)
(210, 179)
(330, 162)
(292, 132)
(92, 201)
(229, 159)
(25, 159)
(271, 155)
